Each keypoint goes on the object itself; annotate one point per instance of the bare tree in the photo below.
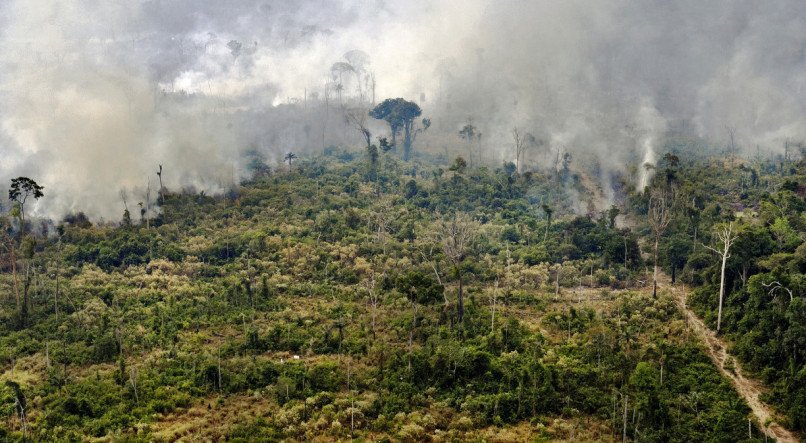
(726, 236)
(358, 119)
(458, 234)
(7, 243)
(731, 139)
(523, 142)
(776, 286)
(20, 405)
(162, 188)
(127, 216)
(520, 146)
(429, 252)
(493, 302)
(378, 221)
(660, 215)
(374, 298)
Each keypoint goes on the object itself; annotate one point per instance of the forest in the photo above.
(418, 221)
(353, 294)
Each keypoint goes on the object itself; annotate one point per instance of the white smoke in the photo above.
(651, 128)
(94, 95)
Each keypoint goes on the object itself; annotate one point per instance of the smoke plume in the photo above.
(95, 95)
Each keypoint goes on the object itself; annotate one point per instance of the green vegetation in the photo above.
(364, 296)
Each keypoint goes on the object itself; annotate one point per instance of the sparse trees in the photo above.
(359, 61)
(374, 298)
(337, 71)
(727, 236)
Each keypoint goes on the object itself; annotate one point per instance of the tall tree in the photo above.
(523, 142)
(289, 157)
(359, 60)
(21, 189)
(337, 72)
(727, 236)
(399, 114)
(458, 234)
(520, 144)
(468, 133)
(672, 161)
(358, 118)
(549, 212)
(162, 188)
(731, 140)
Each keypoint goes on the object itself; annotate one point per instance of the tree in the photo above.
(127, 217)
(289, 157)
(162, 188)
(468, 133)
(660, 215)
(400, 114)
(726, 236)
(358, 119)
(21, 189)
(731, 140)
(522, 144)
(337, 71)
(677, 252)
(672, 161)
(612, 213)
(7, 243)
(235, 48)
(19, 406)
(457, 236)
(547, 209)
(459, 165)
(360, 61)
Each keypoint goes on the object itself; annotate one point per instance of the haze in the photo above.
(94, 95)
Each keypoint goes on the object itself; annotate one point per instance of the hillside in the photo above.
(341, 297)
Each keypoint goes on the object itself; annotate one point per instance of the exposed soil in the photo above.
(748, 388)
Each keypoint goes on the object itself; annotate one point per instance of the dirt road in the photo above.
(749, 389)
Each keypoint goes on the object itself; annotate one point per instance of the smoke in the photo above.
(95, 95)
(651, 126)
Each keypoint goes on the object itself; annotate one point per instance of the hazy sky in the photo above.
(91, 90)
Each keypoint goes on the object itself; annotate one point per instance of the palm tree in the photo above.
(289, 157)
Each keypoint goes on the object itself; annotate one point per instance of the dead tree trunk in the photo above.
(660, 215)
(727, 236)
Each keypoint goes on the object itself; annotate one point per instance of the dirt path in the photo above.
(749, 389)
